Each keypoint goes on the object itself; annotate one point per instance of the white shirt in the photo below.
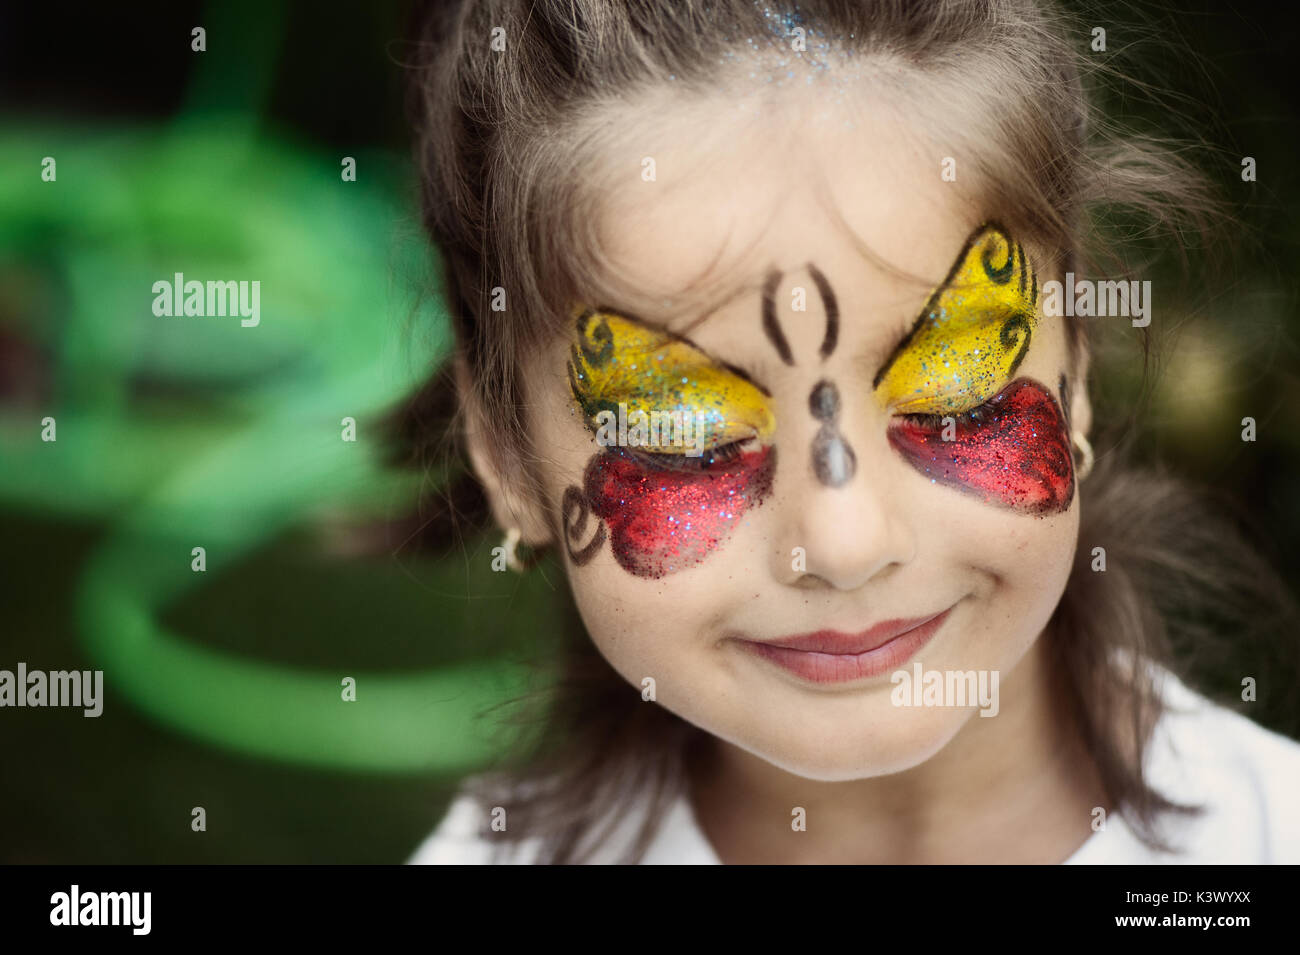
(1246, 777)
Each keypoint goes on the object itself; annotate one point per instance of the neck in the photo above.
(1019, 788)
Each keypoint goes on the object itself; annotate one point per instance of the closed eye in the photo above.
(679, 462)
(964, 420)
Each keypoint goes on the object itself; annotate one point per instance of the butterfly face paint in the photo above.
(617, 360)
(664, 521)
(833, 460)
(1011, 451)
(666, 509)
(1006, 443)
(971, 335)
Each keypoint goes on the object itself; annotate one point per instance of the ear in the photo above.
(1080, 406)
(511, 504)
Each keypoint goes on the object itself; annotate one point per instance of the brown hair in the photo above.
(509, 196)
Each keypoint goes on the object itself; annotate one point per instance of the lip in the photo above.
(832, 656)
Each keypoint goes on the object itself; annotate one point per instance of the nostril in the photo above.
(813, 582)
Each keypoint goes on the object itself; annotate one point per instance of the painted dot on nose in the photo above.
(833, 460)
(824, 401)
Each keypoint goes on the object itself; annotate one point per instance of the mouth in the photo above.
(832, 656)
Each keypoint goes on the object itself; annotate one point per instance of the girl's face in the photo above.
(877, 454)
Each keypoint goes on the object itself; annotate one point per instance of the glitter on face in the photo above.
(617, 360)
(664, 521)
(666, 510)
(788, 51)
(971, 335)
(1013, 451)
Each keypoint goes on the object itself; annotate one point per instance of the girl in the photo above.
(759, 331)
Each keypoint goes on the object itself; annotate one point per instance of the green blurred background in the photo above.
(223, 688)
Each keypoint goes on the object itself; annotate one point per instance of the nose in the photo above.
(843, 536)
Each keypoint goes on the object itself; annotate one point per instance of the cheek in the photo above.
(1017, 458)
(660, 521)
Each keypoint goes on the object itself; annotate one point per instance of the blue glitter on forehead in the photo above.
(782, 22)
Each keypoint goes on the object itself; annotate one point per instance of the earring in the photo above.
(1086, 457)
(511, 544)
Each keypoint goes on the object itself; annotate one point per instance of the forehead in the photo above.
(741, 187)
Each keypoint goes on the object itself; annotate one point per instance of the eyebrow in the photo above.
(767, 283)
(704, 293)
(764, 287)
(771, 327)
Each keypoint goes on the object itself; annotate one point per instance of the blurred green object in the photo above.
(186, 432)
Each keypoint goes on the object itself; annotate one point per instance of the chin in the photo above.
(841, 757)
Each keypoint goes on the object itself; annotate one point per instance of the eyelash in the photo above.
(722, 454)
(979, 415)
(726, 453)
